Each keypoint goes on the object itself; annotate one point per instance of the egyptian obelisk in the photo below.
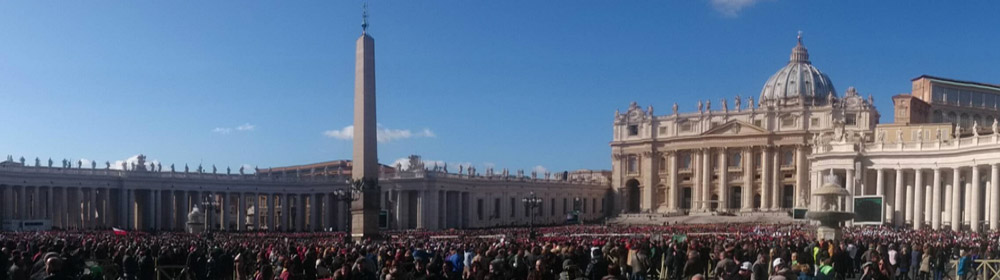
(364, 169)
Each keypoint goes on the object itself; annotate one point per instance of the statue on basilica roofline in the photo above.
(93, 165)
(649, 110)
(737, 104)
(79, 163)
(975, 128)
(38, 163)
(750, 103)
(699, 106)
(50, 162)
(994, 127)
(107, 165)
(725, 107)
(22, 161)
(708, 105)
(958, 132)
(675, 108)
(899, 135)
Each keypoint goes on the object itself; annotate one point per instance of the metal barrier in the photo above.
(983, 270)
(171, 272)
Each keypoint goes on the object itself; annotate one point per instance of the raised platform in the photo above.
(710, 217)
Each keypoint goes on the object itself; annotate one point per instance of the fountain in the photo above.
(828, 215)
(195, 222)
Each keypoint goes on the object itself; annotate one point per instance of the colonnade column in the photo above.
(977, 205)
(849, 183)
(994, 198)
(706, 180)
(801, 180)
(675, 192)
(723, 179)
(897, 205)
(696, 180)
(936, 200)
(776, 179)
(956, 202)
(747, 190)
(880, 182)
(765, 182)
(649, 171)
(918, 199)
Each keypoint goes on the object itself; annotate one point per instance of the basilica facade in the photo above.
(937, 165)
(747, 157)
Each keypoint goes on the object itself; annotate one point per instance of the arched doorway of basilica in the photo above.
(756, 201)
(632, 196)
(715, 202)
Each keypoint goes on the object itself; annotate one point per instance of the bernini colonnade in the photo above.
(85, 198)
(949, 183)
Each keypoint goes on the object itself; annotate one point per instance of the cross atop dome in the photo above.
(364, 18)
(799, 52)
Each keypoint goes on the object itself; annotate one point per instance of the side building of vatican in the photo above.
(936, 166)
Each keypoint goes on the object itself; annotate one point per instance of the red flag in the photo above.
(119, 231)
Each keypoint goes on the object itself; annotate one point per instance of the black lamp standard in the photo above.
(211, 205)
(531, 202)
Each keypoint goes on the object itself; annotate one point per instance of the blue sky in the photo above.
(515, 84)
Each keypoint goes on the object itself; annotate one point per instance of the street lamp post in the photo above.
(577, 202)
(531, 202)
(211, 205)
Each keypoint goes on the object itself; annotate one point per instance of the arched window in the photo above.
(952, 118)
(938, 117)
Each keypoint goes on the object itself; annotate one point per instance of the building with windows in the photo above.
(741, 156)
(937, 165)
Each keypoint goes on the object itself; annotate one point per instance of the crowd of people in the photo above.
(675, 252)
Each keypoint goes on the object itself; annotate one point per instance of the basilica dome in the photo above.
(798, 78)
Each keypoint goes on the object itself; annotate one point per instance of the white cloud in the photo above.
(85, 162)
(246, 127)
(732, 8)
(117, 165)
(540, 170)
(383, 134)
(247, 168)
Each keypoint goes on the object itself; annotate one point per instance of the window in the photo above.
(757, 160)
(663, 165)
(564, 206)
(496, 208)
(787, 121)
(977, 99)
(814, 122)
(938, 117)
(951, 95)
(714, 124)
(686, 160)
(633, 130)
(937, 94)
(850, 119)
(735, 159)
(593, 203)
(685, 127)
(990, 101)
(964, 97)
(758, 123)
(632, 164)
(552, 207)
(787, 158)
(663, 130)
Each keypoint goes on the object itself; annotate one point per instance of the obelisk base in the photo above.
(364, 214)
